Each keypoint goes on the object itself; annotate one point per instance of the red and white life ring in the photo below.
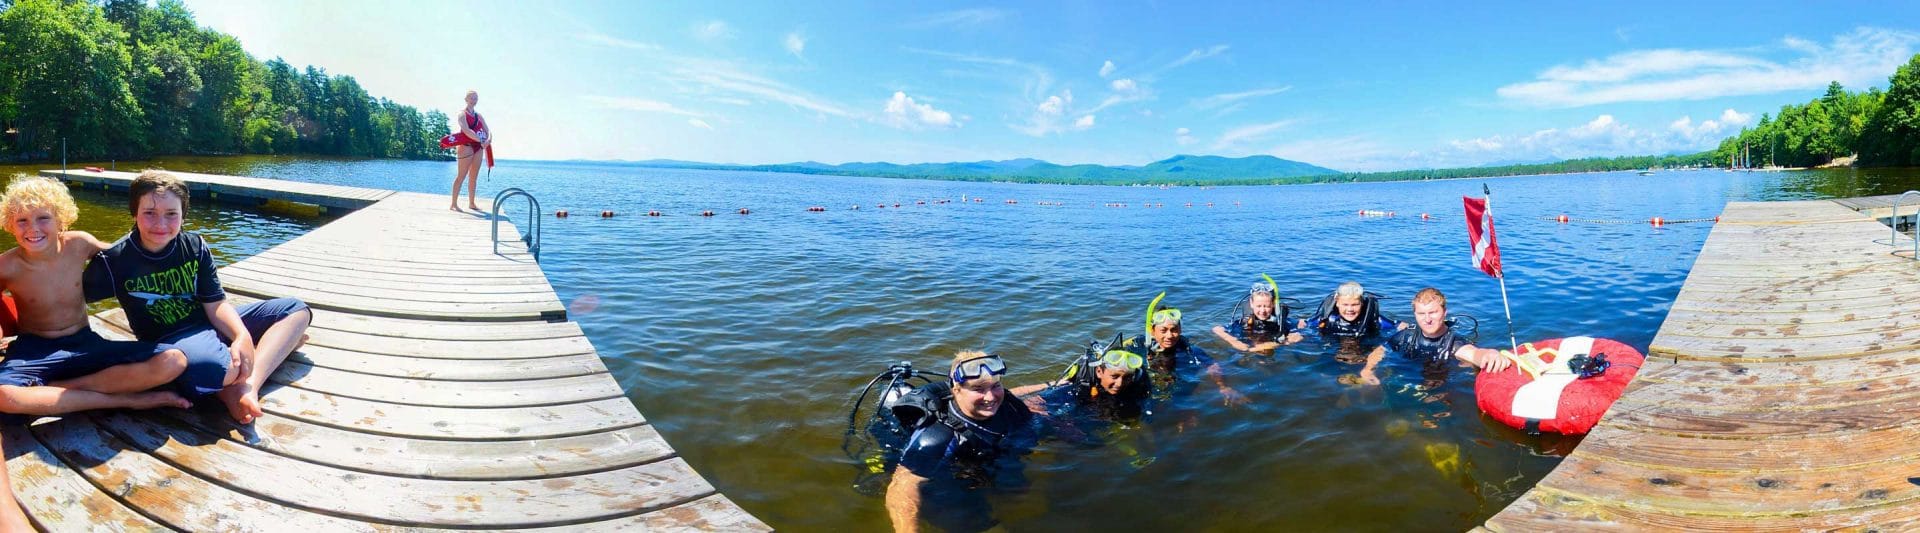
(1559, 401)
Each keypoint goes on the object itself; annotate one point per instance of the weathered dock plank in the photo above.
(441, 388)
(1780, 393)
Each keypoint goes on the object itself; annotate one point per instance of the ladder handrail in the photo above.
(532, 236)
(1893, 224)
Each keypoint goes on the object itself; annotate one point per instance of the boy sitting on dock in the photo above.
(58, 364)
(165, 280)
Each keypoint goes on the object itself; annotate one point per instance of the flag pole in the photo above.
(1504, 305)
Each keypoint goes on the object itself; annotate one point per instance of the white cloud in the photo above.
(795, 44)
(617, 42)
(1223, 99)
(1248, 132)
(1858, 58)
(717, 76)
(1199, 54)
(1084, 122)
(1184, 137)
(1106, 69)
(713, 31)
(1047, 117)
(642, 105)
(964, 18)
(1604, 136)
(1124, 85)
(902, 112)
(1735, 118)
(702, 124)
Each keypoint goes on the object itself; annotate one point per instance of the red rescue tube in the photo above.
(1558, 402)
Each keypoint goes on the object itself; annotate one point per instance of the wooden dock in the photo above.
(1778, 395)
(442, 388)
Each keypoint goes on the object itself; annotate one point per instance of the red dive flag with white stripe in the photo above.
(1486, 252)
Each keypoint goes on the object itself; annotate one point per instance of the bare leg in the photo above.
(466, 160)
(272, 348)
(12, 519)
(473, 180)
(50, 400)
(131, 377)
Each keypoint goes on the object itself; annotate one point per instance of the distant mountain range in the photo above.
(1180, 169)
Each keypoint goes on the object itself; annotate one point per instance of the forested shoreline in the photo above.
(120, 79)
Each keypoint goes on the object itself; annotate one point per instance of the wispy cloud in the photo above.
(1199, 54)
(964, 18)
(1858, 58)
(1604, 136)
(904, 113)
(1106, 69)
(717, 76)
(702, 124)
(1184, 137)
(713, 30)
(1049, 116)
(1085, 122)
(641, 105)
(608, 40)
(795, 44)
(1219, 100)
(1249, 132)
(1350, 153)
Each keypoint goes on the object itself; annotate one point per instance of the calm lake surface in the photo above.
(744, 338)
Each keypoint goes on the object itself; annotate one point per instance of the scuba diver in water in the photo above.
(1260, 324)
(1166, 350)
(1109, 383)
(1350, 317)
(1434, 344)
(965, 435)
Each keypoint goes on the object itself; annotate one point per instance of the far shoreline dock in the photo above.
(443, 388)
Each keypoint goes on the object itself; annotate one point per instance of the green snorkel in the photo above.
(1272, 285)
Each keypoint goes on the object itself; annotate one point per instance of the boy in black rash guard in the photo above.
(164, 279)
(1433, 344)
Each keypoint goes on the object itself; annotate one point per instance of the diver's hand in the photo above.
(1492, 361)
(1367, 377)
(1292, 338)
(1231, 398)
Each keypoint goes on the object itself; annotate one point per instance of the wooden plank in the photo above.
(437, 459)
(177, 499)
(281, 266)
(58, 498)
(331, 325)
(712, 513)
(425, 293)
(450, 423)
(409, 501)
(424, 392)
(400, 305)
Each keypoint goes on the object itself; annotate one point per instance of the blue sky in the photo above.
(1352, 87)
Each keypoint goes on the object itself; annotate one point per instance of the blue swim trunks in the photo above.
(33, 360)
(207, 355)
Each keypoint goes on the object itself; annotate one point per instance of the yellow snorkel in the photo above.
(1151, 307)
(1272, 285)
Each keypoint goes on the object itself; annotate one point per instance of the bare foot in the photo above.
(156, 399)
(453, 207)
(243, 403)
(473, 207)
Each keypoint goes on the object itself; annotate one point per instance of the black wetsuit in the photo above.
(1255, 331)
(1435, 355)
(1083, 395)
(959, 457)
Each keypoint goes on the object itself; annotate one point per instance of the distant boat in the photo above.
(1647, 172)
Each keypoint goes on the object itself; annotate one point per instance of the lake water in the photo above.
(743, 338)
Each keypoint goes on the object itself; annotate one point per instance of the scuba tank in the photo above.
(892, 415)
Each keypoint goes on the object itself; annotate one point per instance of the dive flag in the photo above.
(1486, 252)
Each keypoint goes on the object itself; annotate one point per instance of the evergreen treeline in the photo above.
(1882, 129)
(121, 79)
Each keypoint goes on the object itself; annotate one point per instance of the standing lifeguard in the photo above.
(477, 139)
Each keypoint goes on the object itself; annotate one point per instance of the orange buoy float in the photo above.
(560, 214)
(1559, 385)
(1716, 218)
(1209, 204)
(1424, 216)
(1657, 222)
(1189, 204)
(743, 211)
(1562, 218)
(610, 213)
(706, 213)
